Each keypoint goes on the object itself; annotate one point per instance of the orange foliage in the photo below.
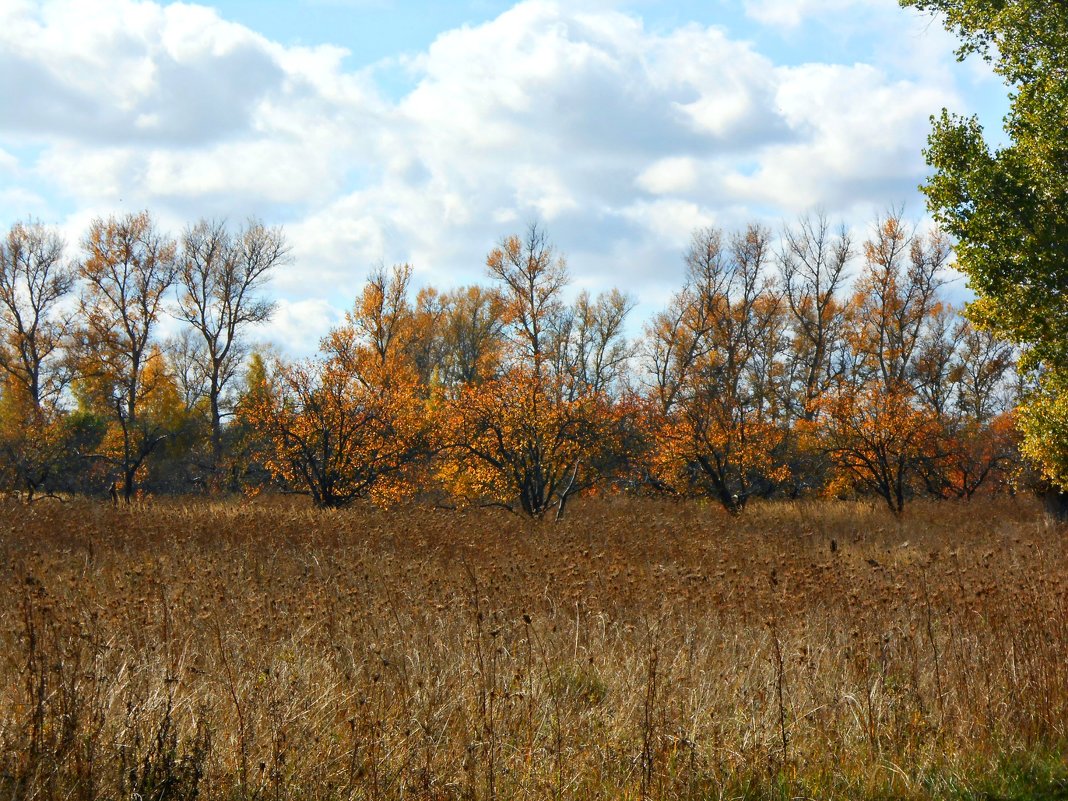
(978, 455)
(709, 448)
(878, 438)
(352, 423)
(715, 431)
(545, 427)
(337, 434)
(518, 440)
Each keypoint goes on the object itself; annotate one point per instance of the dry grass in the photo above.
(637, 650)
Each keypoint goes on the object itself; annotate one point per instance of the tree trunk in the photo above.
(128, 479)
(216, 428)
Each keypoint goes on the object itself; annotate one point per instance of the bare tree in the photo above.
(383, 317)
(221, 276)
(881, 425)
(712, 357)
(812, 262)
(34, 281)
(473, 329)
(935, 371)
(590, 349)
(185, 354)
(532, 277)
(962, 375)
(458, 335)
(897, 297)
(986, 367)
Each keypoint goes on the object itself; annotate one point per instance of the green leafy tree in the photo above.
(1008, 206)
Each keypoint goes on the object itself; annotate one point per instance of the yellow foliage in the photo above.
(1043, 420)
(32, 439)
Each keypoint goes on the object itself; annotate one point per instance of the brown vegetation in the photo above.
(638, 649)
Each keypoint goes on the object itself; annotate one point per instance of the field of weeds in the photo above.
(636, 650)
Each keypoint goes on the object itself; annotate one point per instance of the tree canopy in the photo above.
(1007, 206)
(763, 377)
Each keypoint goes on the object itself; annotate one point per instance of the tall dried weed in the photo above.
(639, 650)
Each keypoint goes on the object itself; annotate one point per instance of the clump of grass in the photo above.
(640, 649)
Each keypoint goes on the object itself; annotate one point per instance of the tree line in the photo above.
(798, 365)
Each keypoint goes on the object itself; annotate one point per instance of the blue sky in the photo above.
(380, 132)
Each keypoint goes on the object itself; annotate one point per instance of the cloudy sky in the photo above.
(383, 131)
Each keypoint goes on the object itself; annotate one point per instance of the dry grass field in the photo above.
(638, 650)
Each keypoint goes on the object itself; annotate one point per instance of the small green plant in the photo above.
(581, 686)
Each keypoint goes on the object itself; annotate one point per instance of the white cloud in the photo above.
(91, 174)
(297, 326)
(121, 70)
(858, 130)
(669, 176)
(543, 189)
(19, 203)
(623, 138)
(8, 163)
(671, 221)
(791, 13)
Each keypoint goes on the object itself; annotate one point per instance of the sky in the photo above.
(378, 131)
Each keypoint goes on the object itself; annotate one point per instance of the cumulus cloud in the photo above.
(620, 136)
(297, 326)
(861, 130)
(670, 175)
(791, 13)
(8, 163)
(175, 74)
(169, 102)
(671, 220)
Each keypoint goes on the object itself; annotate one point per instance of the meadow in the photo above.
(638, 649)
